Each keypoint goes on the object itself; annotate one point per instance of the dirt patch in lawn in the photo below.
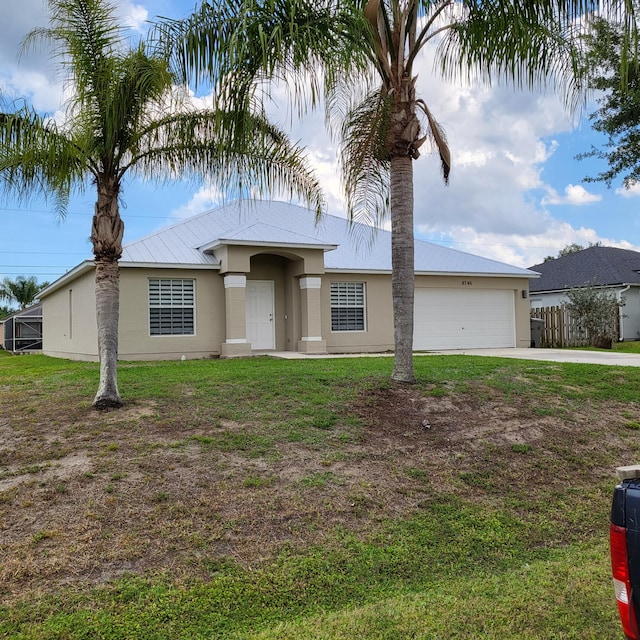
(86, 496)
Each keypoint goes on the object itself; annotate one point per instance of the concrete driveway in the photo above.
(553, 355)
(544, 355)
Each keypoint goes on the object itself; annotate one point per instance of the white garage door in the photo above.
(463, 319)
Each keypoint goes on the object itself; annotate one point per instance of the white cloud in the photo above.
(478, 158)
(34, 73)
(501, 141)
(134, 16)
(524, 250)
(574, 194)
(207, 197)
(632, 192)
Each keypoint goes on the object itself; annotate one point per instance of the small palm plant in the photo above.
(22, 290)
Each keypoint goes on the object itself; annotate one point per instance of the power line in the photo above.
(77, 213)
(45, 253)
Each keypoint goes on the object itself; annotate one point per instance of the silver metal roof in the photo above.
(348, 247)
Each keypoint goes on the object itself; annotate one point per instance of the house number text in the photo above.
(466, 283)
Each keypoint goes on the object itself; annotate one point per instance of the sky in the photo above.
(516, 192)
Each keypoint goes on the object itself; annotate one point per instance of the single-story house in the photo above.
(612, 269)
(263, 276)
(22, 330)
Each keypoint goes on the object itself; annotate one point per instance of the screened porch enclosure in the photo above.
(23, 330)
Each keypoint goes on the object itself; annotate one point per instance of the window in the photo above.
(171, 307)
(347, 306)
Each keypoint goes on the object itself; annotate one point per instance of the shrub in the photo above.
(597, 312)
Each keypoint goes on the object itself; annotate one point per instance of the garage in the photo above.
(464, 319)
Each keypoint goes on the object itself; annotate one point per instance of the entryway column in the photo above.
(235, 288)
(311, 316)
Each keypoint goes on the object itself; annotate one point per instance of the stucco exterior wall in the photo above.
(271, 267)
(515, 285)
(378, 334)
(135, 341)
(379, 321)
(69, 320)
(538, 300)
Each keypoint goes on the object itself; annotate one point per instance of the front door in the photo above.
(260, 311)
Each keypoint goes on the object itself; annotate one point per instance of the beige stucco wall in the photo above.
(69, 320)
(379, 320)
(378, 336)
(238, 259)
(274, 268)
(135, 342)
(70, 324)
(515, 285)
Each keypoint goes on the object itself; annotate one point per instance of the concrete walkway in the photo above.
(556, 355)
(544, 355)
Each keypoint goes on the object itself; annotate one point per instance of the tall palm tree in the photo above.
(22, 290)
(362, 54)
(128, 115)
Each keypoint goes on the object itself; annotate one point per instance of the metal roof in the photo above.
(595, 266)
(348, 247)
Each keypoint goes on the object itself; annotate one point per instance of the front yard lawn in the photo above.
(263, 499)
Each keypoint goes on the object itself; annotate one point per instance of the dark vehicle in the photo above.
(624, 534)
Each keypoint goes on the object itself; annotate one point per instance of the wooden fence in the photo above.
(560, 330)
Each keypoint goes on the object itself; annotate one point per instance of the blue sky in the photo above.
(516, 192)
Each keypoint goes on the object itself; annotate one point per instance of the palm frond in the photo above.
(140, 86)
(238, 46)
(437, 134)
(87, 37)
(36, 159)
(364, 159)
(247, 155)
(530, 44)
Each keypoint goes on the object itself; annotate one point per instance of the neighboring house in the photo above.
(616, 270)
(261, 276)
(22, 330)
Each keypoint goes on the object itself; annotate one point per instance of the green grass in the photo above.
(627, 347)
(463, 575)
(486, 553)
(622, 347)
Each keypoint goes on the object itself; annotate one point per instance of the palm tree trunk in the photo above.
(107, 315)
(402, 260)
(106, 236)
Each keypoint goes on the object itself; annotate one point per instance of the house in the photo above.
(22, 330)
(262, 276)
(616, 270)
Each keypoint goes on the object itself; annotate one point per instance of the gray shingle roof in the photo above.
(348, 248)
(598, 266)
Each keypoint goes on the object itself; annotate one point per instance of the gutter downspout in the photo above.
(621, 302)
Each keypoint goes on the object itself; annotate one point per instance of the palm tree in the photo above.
(128, 116)
(362, 55)
(22, 290)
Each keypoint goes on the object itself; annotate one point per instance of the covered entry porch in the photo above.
(272, 298)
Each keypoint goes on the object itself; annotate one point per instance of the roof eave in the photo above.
(212, 246)
(620, 285)
(465, 274)
(478, 274)
(170, 265)
(78, 270)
